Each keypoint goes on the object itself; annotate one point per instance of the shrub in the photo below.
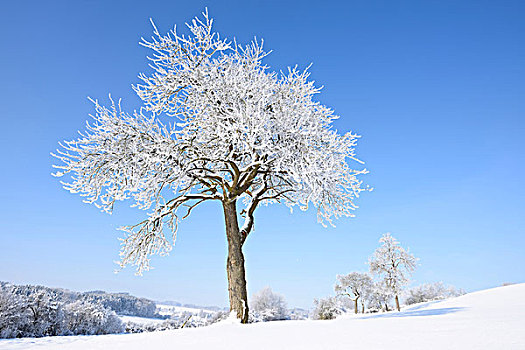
(326, 309)
(431, 291)
(268, 306)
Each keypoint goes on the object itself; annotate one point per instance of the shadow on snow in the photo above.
(413, 313)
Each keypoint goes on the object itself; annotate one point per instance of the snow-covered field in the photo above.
(489, 319)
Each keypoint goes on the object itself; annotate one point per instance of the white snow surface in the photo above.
(489, 319)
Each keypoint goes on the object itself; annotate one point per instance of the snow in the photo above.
(489, 319)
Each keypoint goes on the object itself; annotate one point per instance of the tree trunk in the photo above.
(235, 264)
(397, 303)
(362, 307)
(355, 304)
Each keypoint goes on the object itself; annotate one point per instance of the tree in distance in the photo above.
(355, 285)
(393, 264)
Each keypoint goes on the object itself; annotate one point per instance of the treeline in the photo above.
(123, 303)
(37, 311)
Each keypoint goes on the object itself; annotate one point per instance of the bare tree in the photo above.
(241, 134)
(394, 264)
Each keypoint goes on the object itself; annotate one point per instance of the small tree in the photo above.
(379, 296)
(269, 306)
(355, 285)
(242, 134)
(393, 264)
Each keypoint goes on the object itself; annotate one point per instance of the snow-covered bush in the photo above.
(186, 320)
(431, 291)
(268, 306)
(326, 309)
(217, 317)
(134, 327)
(82, 317)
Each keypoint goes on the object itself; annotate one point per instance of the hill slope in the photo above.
(489, 319)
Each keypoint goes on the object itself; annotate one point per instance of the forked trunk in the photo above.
(397, 303)
(235, 264)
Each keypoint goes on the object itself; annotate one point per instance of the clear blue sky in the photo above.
(435, 88)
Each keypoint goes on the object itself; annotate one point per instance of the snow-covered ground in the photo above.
(489, 319)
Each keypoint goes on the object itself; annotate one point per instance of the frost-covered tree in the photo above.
(46, 313)
(326, 309)
(355, 285)
(14, 316)
(241, 134)
(393, 264)
(379, 297)
(269, 306)
(88, 318)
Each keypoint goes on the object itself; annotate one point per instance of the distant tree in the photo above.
(355, 285)
(379, 297)
(14, 316)
(393, 264)
(46, 313)
(88, 318)
(241, 133)
(326, 309)
(269, 306)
